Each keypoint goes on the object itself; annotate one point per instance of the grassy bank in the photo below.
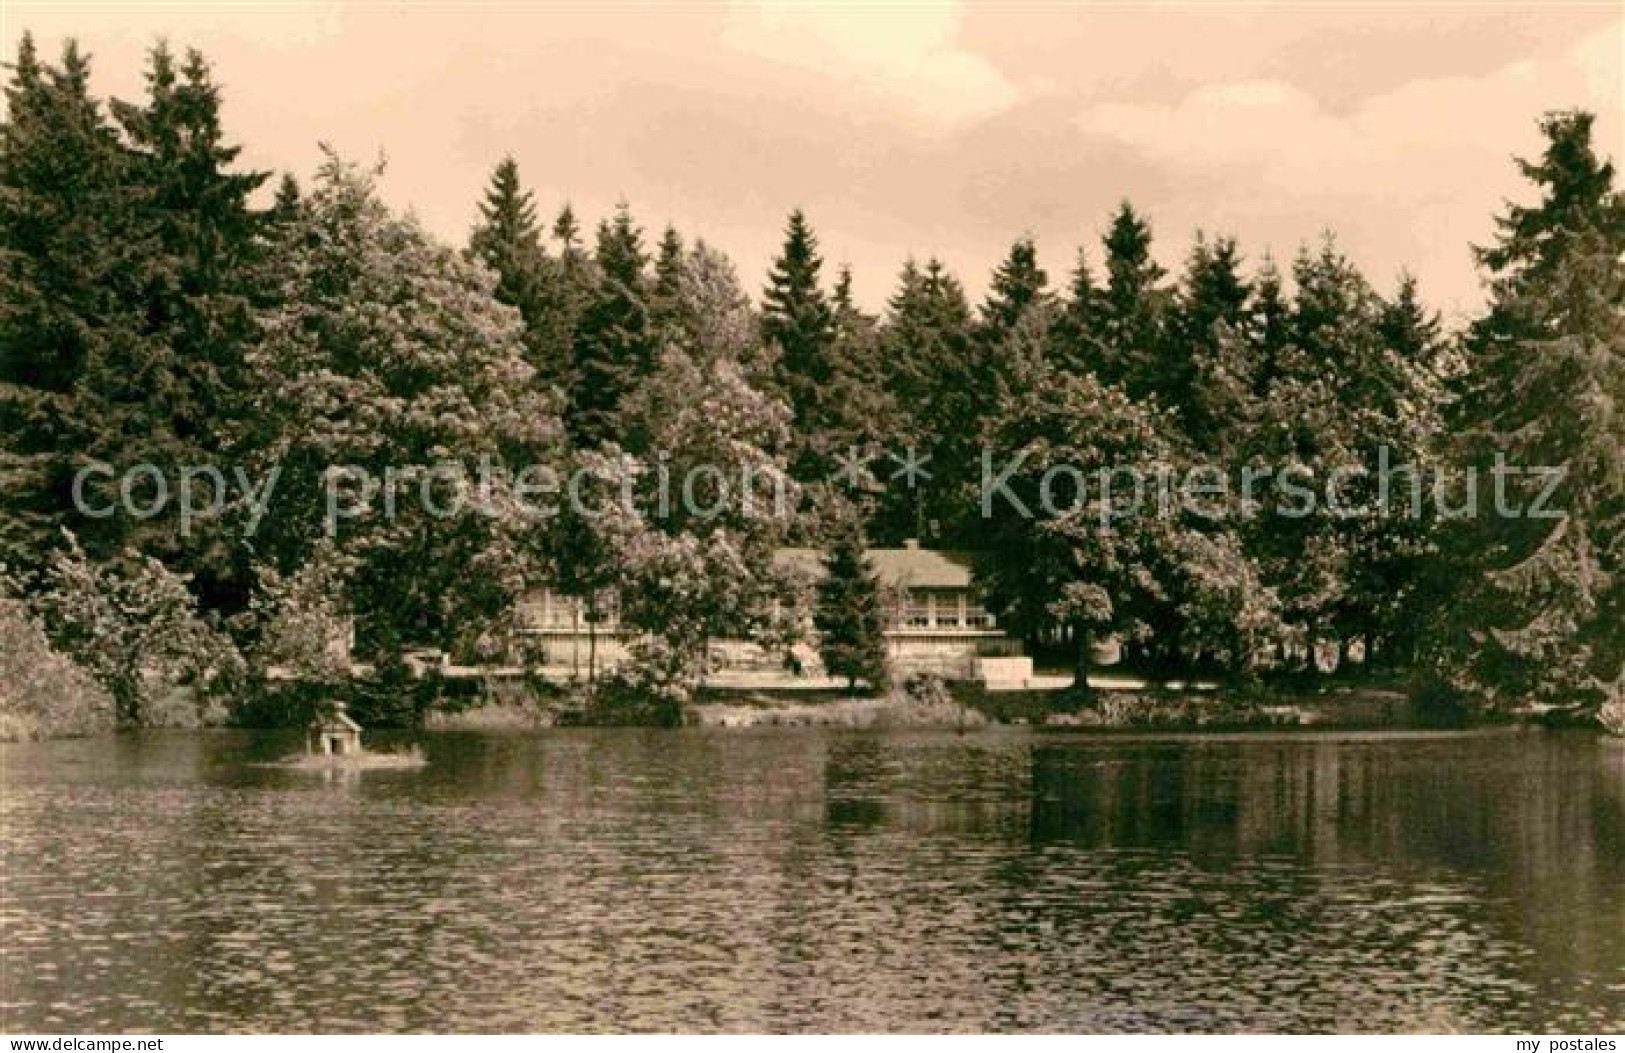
(43, 696)
(519, 704)
(889, 712)
(964, 705)
(492, 716)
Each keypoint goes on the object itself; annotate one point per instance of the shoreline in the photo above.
(969, 707)
(965, 706)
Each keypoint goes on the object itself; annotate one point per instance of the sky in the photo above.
(938, 128)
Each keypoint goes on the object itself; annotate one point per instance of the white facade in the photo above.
(938, 622)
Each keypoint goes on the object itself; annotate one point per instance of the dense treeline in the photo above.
(152, 312)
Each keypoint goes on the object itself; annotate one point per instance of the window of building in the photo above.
(917, 610)
(554, 611)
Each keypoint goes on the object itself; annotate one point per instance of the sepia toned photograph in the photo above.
(756, 517)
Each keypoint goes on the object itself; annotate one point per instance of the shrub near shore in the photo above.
(43, 694)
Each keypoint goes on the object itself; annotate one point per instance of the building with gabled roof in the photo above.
(937, 621)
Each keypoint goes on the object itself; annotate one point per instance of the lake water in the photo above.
(807, 879)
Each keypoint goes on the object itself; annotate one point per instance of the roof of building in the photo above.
(335, 719)
(907, 567)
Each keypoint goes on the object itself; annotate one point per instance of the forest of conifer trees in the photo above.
(160, 306)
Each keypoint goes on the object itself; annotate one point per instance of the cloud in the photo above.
(1410, 175)
(1280, 132)
(912, 129)
(909, 55)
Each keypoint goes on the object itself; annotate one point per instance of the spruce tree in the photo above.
(855, 409)
(1018, 284)
(666, 292)
(1210, 310)
(1133, 307)
(827, 365)
(614, 344)
(1078, 327)
(798, 320)
(935, 375)
(851, 614)
(904, 329)
(566, 231)
(566, 291)
(200, 296)
(1578, 197)
(132, 271)
(1214, 293)
(1408, 328)
(1538, 600)
(200, 207)
(78, 252)
(844, 310)
(669, 265)
(1395, 410)
(285, 206)
(508, 240)
(1267, 323)
(928, 346)
(1333, 313)
(1317, 419)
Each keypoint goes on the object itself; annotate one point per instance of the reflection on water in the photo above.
(802, 879)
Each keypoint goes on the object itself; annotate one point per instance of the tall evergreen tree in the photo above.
(844, 311)
(907, 328)
(200, 296)
(285, 206)
(669, 261)
(1214, 289)
(1313, 423)
(508, 240)
(666, 290)
(566, 229)
(856, 410)
(1333, 401)
(1539, 599)
(1578, 197)
(1395, 412)
(614, 344)
(1018, 284)
(1333, 314)
(1077, 335)
(857, 340)
(1210, 309)
(78, 251)
(1268, 322)
(850, 615)
(798, 320)
(826, 365)
(1409, 329)
(1133, 307)
(934, 372)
